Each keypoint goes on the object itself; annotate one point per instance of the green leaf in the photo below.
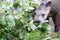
(35, 35)
(2, 20)
(33, 27)
(16, 4)
(36, 3)
(22, 34)
(10, 21)
(2, 39)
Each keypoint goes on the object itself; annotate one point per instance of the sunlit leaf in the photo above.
(10, 21)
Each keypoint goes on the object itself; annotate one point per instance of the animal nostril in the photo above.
(43, 15)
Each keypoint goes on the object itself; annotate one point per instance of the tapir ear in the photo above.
(48, 4)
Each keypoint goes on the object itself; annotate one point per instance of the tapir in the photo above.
(48, 8)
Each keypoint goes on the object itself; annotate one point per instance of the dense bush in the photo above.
(16, 22)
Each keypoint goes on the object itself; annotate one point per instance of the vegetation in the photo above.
(17, 24)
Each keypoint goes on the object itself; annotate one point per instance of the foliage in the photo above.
(53, 36)
(16, 22)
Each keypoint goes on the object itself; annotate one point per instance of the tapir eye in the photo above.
(48, 4)
(43, 15)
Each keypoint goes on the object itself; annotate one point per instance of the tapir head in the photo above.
(42, 12)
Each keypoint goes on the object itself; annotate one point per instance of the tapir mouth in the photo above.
(36, 21)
